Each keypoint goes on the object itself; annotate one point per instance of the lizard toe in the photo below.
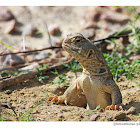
(55, 99)
(61, 101)
(112, 107)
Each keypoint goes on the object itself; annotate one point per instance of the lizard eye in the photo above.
(77, 41)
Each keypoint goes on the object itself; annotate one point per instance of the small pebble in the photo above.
(131, 110)
(101, 110)
(30, 30)
(116, 9)
(110, 119)
(93, 15)
(61, 116)
(135, 57)
(94, 117)
(119, 115)
(88, 33)
(35, 111)
(8, 91)
(54, 30)
(117, 18)
(11, 25)
(5, 14)
(8, 27)
(90, 24)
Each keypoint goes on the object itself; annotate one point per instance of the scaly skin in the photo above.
(96, 85)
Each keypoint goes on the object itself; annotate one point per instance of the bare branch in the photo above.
(122, 34)
(31, 51)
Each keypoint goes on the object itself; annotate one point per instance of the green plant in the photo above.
(73, 66)
(44, 66)
(1, 119)
(1, 97)
(7, 45)
(40, 76)
(21, 72)
(29, 112)
(45, 94)
(20, 116)
(119, 65)
(4, 74)
(62, 77)
(26, 116)
(133, 47)
(55, 72)
(94, 111)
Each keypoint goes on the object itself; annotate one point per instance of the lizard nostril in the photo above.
(66, 41)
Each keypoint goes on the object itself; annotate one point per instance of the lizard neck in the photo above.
(94, 68)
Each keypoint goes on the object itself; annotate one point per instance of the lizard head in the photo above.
(79, 47)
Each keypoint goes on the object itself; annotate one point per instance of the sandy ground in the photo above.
(26, 96)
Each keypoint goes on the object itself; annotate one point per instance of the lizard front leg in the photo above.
(72, 96)
(116, 96)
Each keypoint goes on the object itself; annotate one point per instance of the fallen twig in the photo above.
(8, 105)
(113, 36)
(8, 68)
(31, 51)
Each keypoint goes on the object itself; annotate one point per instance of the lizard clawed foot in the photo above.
(55, 99)
(112, 107)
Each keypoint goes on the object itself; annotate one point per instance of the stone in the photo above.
(131, 110)
(119, 115)
(94, 117)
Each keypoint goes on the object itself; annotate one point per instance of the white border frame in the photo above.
(70, 2)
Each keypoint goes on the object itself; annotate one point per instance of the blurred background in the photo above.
(31, 28)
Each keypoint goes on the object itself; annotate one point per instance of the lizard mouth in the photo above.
(70, 49)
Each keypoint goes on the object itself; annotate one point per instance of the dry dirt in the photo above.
(26, 95)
